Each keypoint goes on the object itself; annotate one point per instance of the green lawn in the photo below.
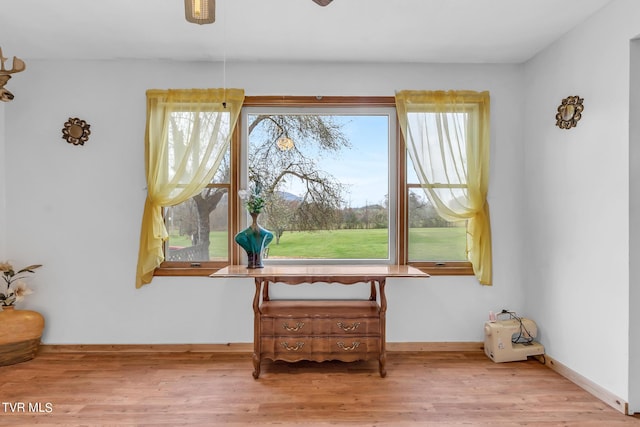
(217, 243)
(437, 244)
(340, 244)
(433, 244)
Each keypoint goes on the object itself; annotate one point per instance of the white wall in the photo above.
(634, 230)
(3, 222)
(577, 204)
(77, 209)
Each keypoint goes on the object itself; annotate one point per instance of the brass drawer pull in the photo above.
(348, 328)
(298, 346)
(353, 347)
(296, 328)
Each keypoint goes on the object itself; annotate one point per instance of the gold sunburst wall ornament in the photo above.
(569, 112)
(76, 131)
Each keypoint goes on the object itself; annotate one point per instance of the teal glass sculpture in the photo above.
(254, 240)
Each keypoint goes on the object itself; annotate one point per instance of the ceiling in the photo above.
(444, 31)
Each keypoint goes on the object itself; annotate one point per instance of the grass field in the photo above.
(437, 244)
(340, 244)
(431, 244)
(217, 243)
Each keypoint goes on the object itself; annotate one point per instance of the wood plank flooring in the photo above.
(217, 389)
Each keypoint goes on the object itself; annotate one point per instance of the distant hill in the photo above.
(374, 207)
(289, 197)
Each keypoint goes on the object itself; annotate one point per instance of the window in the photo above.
(189, 168)
(198, 228)
(325, 174)
(342, 190)
(431, 237)
(447, 140)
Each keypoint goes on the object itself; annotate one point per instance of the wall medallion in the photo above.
(76, 131)
(569, 112)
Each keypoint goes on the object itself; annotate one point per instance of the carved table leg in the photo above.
(383, 363)
(383, 328)
(256, 366)
(373, 296)
(257, 351)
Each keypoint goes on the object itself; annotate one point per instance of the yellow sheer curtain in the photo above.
(187, 135)
(447, 138)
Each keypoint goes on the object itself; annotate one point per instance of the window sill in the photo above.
(444, 268)
(187, 271)
(169, 268)
(432, 268)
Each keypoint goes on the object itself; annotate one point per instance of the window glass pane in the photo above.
(198, 228)
(412, 177)
(193, 133)
(326, 182)
(223, 174)
(443, 155)
(431, 238)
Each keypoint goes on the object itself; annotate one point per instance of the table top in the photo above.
(321, 273)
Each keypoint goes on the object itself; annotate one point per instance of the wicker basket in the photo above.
(19, 335)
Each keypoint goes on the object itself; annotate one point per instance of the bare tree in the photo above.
(279, 214)
(196, 215)
(314, 136)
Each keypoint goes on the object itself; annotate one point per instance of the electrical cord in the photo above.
(524, 336)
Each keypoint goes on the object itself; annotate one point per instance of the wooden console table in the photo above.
(319, 330)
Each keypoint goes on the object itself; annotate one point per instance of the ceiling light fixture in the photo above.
(204, 11)
(284, 143)
(200, 11)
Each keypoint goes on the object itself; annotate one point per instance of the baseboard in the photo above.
(237, 347)
(435, 346)
(604, 395)
(147, 348)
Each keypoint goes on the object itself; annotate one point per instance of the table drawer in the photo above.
(310, 326)
(346, 348)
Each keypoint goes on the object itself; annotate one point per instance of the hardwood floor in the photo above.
(212, 389)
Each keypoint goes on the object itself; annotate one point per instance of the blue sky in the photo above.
(363, 167)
